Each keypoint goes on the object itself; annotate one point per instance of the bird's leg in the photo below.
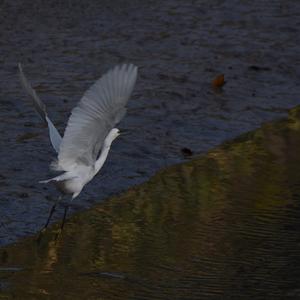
(52, 211)
(49, 218)
(63, 222)
(50, 215)
(64, 218)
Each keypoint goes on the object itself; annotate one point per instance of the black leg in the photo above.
(50, 215)
(49, 219)
(62, 223)
(64, 219)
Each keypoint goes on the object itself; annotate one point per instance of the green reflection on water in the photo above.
(223, 224)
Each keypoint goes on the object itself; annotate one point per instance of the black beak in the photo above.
(124, 132)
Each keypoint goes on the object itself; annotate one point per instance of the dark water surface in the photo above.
(224, 225)
(179, 46)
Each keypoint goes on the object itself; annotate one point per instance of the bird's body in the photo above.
(90, 130)
(78, 175)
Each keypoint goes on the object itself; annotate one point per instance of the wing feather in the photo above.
(102, 106)
(40, 108)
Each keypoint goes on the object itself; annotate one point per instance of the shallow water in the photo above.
(222, 226)
(179, 48)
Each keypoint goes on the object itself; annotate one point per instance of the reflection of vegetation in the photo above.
(221, 224)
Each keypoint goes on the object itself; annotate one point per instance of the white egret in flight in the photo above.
(90, 130)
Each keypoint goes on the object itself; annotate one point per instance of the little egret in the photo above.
(90, 129)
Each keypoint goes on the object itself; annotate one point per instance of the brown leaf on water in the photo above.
(219, 81)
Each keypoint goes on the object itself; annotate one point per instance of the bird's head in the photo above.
(113, 134)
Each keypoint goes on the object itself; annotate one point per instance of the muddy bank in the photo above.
(220, 226)
(179, 47)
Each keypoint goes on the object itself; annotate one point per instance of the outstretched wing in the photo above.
(100, 109)
(40, 107)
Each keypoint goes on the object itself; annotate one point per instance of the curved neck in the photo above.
(104, 152)
(105, 149)
(102, 158)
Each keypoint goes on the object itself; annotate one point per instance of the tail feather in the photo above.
(62, 177)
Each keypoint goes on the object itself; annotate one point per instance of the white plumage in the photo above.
(100, 109)
(90, 130)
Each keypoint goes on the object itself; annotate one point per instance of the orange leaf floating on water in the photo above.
(219, 81)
